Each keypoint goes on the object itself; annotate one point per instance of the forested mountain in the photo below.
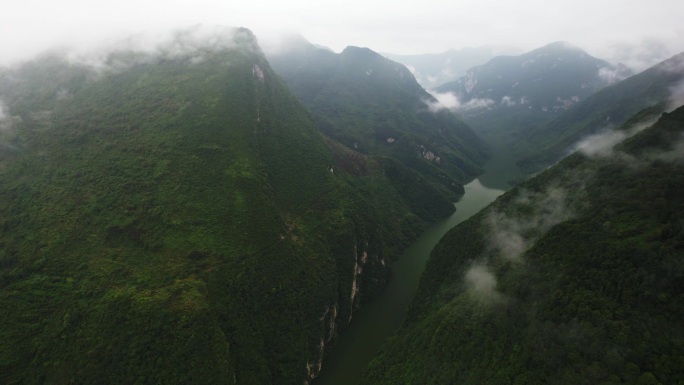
(575, 276)
(511, 94)
(175, 216)
(432, 70)
(374, 106)
(607, 108)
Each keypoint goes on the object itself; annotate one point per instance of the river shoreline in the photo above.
(380, 318)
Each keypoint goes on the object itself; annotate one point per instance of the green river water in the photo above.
(376, 321)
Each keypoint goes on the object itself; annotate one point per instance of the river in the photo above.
(376, 321)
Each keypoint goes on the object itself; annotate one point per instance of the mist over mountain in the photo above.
(432, 70)
(374, 106)
(182, 208)
(173, 215)
(573, 276)
(511, 94)
(604, 110)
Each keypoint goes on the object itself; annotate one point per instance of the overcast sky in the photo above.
(635, 32)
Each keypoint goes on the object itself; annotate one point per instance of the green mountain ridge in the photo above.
(509, 95)
(375, 107)
(177, 217)
(609, 107)
(574, 276)
(432, 70)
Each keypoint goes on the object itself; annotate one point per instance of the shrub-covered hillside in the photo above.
(576, 276)
(375, 106)
(175, 216)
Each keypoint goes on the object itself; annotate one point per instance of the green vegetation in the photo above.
(610, 107)
(544, 102)
(432, 70)
(506, 98)
(178, 218)
(374, 106)
(574, 276)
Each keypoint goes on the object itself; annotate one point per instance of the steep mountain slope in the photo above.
(176, 217)
(509, 94)
(375, 106)
(575, 276)
(607, 108)
(432, 70)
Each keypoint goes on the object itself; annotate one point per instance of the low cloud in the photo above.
(611, 75)
(676, 99)
(431, 80)
(673, 65)
(507, 236)
(7, 121)
(602, 144)
(640, 56)
(449, 100)
(508, 101)
(7, 124)
(279, 41)
(674, 155)
(413, 70)
(191, 44)
(446, 100)
(529, 216)
(447, 71)
(481, 282)
(534, 213)
(473, 104)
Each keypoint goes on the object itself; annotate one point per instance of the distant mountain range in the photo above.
(509, 94)
(200, 213)
(176, 216)
(608, 108)
(375, 106)
(575, 276)
(432, 70)
(540, 104)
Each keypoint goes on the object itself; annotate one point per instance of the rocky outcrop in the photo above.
(330, 319)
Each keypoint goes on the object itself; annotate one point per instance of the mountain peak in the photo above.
(564, 45)
(294, 40)
(196, 124)
(522, 77)
(360, 52)
(374, 106)
(559, 48)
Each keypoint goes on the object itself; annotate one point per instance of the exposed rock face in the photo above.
(330, 318)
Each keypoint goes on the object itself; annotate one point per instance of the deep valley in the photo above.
(205, 211)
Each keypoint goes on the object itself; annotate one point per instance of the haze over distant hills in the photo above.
(512, 93)
(190, 210)
(542, 103)
(575, 276)
(432, 70)
(375, 106)
(175, 216)
(608, 108)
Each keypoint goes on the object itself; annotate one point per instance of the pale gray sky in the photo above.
(610, 29)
